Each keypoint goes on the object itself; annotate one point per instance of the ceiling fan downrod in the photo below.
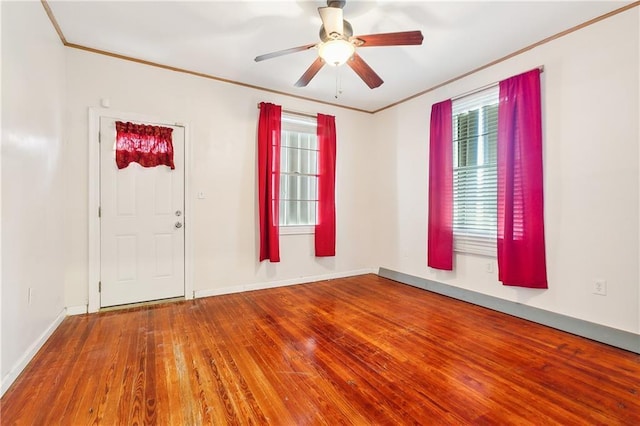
(336, 3)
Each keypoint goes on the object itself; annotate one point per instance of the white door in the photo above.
(141, 225)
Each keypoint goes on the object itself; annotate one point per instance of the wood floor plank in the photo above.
(355, 351)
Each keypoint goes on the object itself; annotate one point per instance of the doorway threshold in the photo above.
(142, 304)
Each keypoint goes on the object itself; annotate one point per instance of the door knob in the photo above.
(178, 213)
(178, 225)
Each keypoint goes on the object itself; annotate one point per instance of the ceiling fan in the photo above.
(338, 46)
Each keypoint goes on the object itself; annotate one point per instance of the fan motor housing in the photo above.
(348, 32)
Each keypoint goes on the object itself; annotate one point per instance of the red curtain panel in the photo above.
(325, 232)
(149, 146)
(521, 244)
(440, 225)
(269, 180)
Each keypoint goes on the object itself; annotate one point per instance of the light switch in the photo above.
(201, 195)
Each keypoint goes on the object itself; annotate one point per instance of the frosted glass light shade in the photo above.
(336, 52)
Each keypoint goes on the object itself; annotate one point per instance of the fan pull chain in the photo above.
(338, 82)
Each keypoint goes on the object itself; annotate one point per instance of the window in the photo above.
(475, 135)
(298, 171)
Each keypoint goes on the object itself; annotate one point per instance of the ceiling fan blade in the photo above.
(366, 73)
(331, 20)
(283, 52)
(389, 39)
(310, 72)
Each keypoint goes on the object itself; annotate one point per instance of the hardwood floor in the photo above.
(358, 351)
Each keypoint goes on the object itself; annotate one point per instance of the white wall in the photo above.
(591, 138)
(33, 204)
(223, 121)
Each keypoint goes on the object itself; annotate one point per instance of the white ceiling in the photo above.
(221, 39)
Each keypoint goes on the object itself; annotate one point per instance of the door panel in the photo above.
(127, 257)
(142, 249)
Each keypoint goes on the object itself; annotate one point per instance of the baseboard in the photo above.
(15, 371)
(77, 310)
(600, 333)
(272, 284)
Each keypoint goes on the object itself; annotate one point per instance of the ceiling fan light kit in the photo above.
(336, 52)
(338, 46)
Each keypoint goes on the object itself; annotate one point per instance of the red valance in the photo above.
(146, 145)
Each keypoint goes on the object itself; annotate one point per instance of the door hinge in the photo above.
(99, 211)
(99, 137)
(99, 286)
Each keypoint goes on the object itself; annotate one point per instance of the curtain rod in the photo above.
(304, 114)
(485, 87)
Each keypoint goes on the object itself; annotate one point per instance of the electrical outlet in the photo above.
(489, 267)
(600, 287)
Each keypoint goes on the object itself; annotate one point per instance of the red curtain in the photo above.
(440, 227)
(326, 224)
(521, 252)
(269, 180)
(146, 145)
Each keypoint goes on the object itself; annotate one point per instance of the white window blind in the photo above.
(475, 134)
(298, 170)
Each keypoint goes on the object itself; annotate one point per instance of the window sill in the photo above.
(473, 244)
(297, 230)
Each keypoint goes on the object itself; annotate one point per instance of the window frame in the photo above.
(297, 123)
(466, 242)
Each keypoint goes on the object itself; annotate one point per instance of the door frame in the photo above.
(95, 114)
